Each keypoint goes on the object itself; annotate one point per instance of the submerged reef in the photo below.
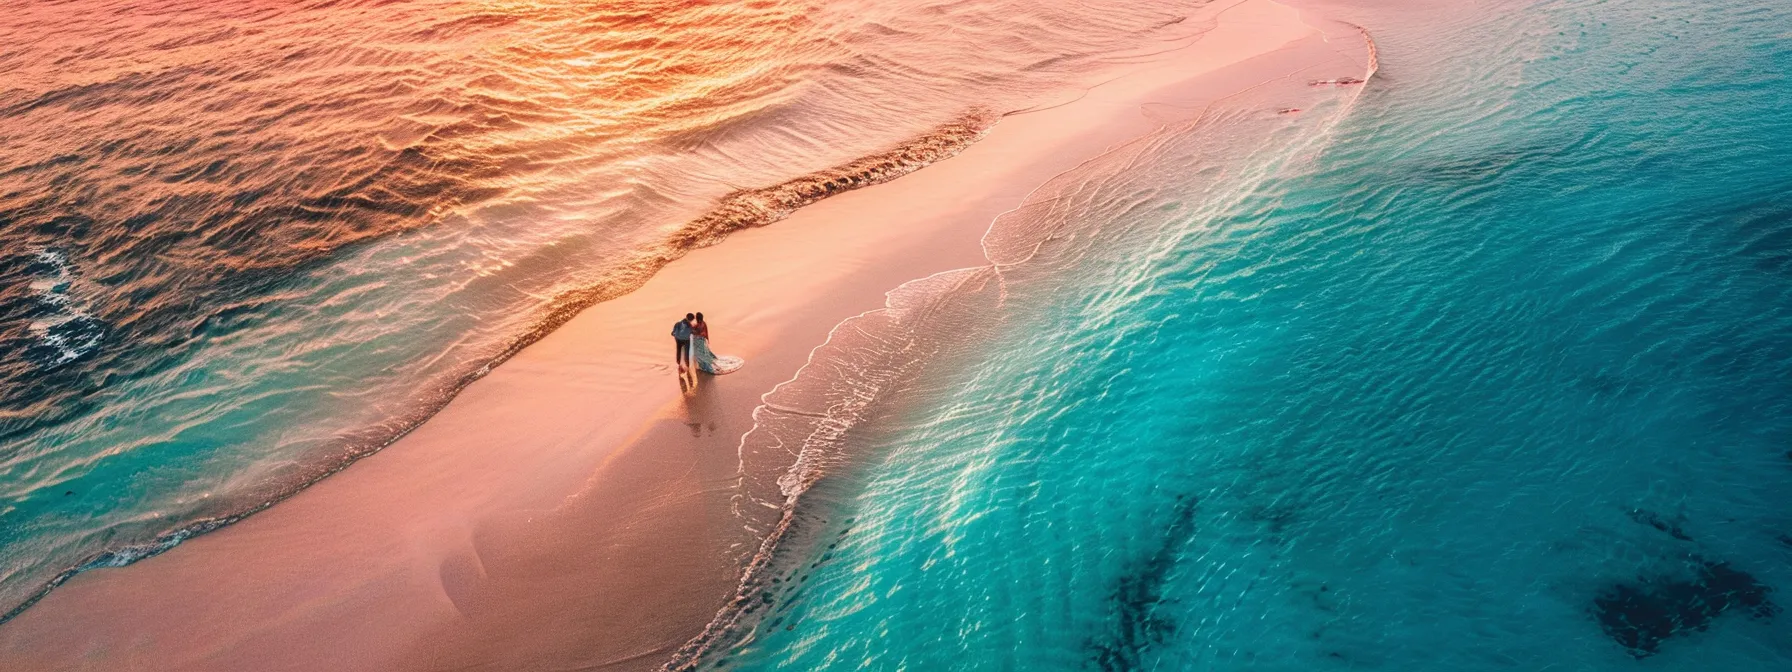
(1641, 615)
(1137, 626)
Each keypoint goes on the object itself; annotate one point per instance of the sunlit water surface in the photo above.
(1497, 377)
(244, 243)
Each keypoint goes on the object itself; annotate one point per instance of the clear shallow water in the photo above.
(243, 244)
(1498, 379)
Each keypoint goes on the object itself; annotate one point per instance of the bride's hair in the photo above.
(699, 317)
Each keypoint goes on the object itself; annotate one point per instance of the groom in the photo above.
(681, 335)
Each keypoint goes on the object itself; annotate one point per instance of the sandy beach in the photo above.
(574, 509)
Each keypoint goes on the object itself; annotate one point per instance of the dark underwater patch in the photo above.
(1653, 519)
(1275, 518)
(1639, 616)
(1136, 625)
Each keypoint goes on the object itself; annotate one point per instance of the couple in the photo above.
(691, 334)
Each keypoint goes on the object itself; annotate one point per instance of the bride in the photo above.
(706, 360)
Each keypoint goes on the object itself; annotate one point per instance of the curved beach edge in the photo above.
(577, 507)
(869, 358)
(740, 210)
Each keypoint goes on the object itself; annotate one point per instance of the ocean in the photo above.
(243, 244)
(1484, 363)
(1489, 367)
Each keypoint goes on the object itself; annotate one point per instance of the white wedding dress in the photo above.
(710, 362)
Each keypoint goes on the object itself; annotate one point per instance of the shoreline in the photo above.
(470, 542)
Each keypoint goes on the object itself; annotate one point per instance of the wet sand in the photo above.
(574, 509)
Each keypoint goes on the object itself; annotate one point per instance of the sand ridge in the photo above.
(573, 510)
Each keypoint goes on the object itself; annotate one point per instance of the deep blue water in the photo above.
(1495, 375)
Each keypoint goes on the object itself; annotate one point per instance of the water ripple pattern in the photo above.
(1496, 375)
(244, 243)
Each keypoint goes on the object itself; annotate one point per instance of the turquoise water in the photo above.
(243, 245)
(1496, 374)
